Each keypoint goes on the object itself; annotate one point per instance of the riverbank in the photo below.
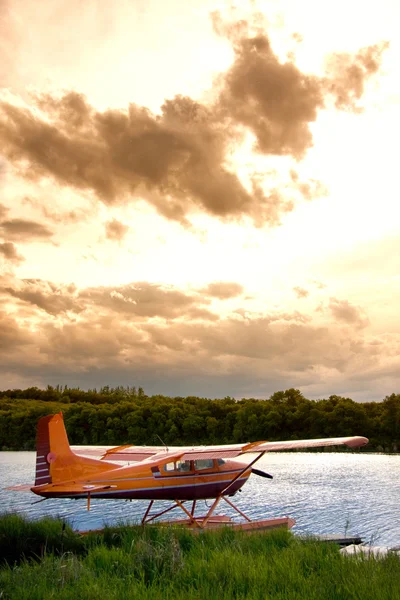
(46, 558)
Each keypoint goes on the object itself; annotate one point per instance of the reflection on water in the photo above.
(324, 492)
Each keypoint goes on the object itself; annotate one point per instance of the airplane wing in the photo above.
(93, 451)
(120, 453)
(256, 447)
(140, 453)
(351, 442)
(134, 453)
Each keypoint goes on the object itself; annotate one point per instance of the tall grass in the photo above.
(158, 563)
(23, 539)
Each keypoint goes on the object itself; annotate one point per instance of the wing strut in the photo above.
(224, 491)
(201, 522)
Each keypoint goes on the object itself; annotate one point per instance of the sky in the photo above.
(200, 198)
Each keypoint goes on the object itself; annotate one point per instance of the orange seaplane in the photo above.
(180, 475)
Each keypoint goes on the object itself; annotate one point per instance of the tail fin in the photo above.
(43, 452)
(55, 461)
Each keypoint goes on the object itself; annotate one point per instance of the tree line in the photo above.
(126, 415)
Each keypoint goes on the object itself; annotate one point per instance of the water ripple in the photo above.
(357, 494)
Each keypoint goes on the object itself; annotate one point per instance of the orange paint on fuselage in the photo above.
(162, 477)
(148, 482)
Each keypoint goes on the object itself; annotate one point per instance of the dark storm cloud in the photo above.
(9, 251)
(223, 289)
(24, 230)
(115, 230)
(343, 311)
(176, 160)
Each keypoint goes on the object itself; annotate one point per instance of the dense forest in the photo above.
(123, 415)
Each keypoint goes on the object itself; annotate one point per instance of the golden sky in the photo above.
(198, 198)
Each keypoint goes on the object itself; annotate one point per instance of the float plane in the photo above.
(180, 475)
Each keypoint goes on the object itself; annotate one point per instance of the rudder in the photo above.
(42, 474)
(55, 461)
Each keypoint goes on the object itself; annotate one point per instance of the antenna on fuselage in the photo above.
(163, 443)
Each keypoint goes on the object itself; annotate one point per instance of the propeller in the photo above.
(261, 473)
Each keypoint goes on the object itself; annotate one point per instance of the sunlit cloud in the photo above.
(199, 199)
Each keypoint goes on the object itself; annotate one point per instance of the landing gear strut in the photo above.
(192, 520)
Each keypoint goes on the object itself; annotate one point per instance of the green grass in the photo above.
(21, 539)
(159, 563)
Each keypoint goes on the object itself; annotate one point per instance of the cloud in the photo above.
(318, 284)
(3, 210)
(349, 73)
(170, 340)
(110, 344)
(347, 313)
(49, 297)
(22, 230)
(115, 230)
(201, 314)
(301, 292)
(3, 167)
(58, 214)
(310, 189)
(223, 289)
(277, 101)
(176, 161)
(19, 346)
(140, 300)
(9, 251)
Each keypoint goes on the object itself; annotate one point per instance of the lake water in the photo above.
(326, 493)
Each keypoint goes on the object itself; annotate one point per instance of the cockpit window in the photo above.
(204, 463)
(220, 462)
(170, 467)
(180, 466)
(183, 466)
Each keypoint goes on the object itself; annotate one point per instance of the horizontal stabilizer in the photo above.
(77, 488)
(22, 487)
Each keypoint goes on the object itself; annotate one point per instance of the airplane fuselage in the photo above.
(174, 480)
